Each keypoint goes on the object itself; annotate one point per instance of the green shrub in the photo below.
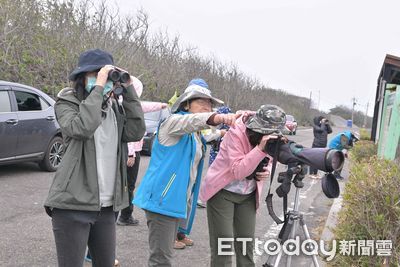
(365, 134)
(371, 211)
(363, 150)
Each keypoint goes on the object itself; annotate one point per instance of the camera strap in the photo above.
(268, 199)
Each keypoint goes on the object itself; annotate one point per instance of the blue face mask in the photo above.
(91, 82)
(108, 87)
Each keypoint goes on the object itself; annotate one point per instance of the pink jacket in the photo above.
(236, 160)
(146, 107)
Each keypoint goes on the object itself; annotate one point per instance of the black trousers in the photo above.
(73, 229)
(132, 177)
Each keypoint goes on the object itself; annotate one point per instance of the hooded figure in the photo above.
(343, 141)
(89, 187)
(321, 129)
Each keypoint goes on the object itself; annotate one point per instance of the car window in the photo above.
(27, 101)
(5, 105)
(44, 104)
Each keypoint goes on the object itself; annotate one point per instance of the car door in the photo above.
(8, 128)
(36, 122)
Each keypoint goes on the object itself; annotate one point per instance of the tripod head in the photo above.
(294, 174)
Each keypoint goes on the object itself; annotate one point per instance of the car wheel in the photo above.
(53, 156)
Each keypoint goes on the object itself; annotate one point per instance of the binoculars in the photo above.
(118, 76)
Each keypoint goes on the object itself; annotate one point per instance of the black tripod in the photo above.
(293, 217)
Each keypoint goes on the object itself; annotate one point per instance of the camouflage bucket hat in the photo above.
(268, 119)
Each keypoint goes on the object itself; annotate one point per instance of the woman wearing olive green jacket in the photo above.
(90, 185)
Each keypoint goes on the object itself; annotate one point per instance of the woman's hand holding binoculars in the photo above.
(115, 74)
(102, 75)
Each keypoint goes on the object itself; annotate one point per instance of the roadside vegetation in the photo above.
(371, 207)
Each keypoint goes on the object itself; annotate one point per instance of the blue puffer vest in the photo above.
(164, 187)
(335, 142)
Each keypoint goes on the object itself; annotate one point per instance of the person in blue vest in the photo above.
(343, 141)
(169, 190)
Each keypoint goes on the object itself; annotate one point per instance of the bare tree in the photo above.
(40, 41)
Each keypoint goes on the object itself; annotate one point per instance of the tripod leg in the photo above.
(273, 260)
(292, 235)
(283, 236)
(278, 259)
(307, 235)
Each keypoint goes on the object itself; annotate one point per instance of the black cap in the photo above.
(91, 60)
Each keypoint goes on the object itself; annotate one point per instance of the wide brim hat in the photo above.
(330, 186)
(91, 60)
(269, 119)
(195, 91)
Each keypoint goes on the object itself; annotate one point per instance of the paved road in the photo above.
(26, 237)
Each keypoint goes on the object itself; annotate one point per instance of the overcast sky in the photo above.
(334, 49)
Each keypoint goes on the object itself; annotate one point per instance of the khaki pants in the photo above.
(231, 215)
(162, 234)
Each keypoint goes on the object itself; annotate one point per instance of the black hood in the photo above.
(318, 119)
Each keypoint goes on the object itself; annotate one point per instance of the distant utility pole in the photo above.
(352, 111)
(310, 99)
(319, 98)
(366, 116)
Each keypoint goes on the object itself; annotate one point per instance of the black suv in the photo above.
(28, 127)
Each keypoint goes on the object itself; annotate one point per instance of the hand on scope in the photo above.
(102, 75)
(264, 141)
(262, 176)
